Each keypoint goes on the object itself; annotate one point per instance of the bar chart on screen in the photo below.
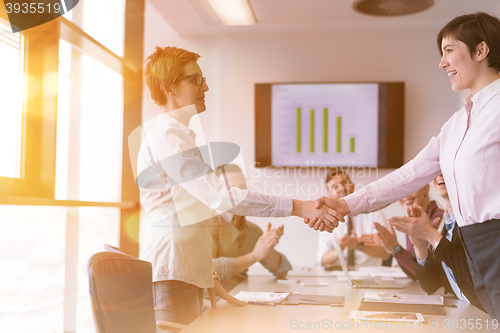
(325, 124)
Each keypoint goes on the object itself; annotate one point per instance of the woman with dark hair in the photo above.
(467, 150)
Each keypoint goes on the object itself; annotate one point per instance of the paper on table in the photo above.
(386, 316)
(372, 269)
(267, 297)
(314, 284)
(389, 274)
(316, 300)
(351, 273)
(402, 298)
(382, 271)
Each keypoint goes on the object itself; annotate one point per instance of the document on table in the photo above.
(262, 297)
(383, 297)
(315, 300)
(382, 271)
(351, 274)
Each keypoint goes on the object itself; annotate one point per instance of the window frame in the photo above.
(39, 112)
(40, 60)
(39, 118)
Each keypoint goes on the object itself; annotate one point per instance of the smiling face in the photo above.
(421, 198)
(187, 92)
(462, 67)
(440, 186)
(339, 187)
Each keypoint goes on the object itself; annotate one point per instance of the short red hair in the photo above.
(163, 67)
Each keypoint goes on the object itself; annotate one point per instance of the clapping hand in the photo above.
(267, 241)
(370, 240)
(351, 241)
(416, 225)
(386, 236)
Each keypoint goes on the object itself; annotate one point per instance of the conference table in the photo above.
(460, 316)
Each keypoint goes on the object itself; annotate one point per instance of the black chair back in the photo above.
(121, 293)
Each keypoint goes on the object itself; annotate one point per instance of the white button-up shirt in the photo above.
(362, 224)
(178, 190)
(466, 151)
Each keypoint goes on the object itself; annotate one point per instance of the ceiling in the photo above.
(194, 17)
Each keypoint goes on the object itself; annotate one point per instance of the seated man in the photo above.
(445, 265)
(339, 185)
(388, 239)
(238, 244)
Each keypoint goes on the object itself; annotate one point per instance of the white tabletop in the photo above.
(321, 318)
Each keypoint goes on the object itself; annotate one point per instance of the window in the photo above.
(11, 61)
(65, 96)
(30, 112)
(35, 243)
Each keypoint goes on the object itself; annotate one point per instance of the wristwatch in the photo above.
(360, 247)
(396, 249)
(215, 275)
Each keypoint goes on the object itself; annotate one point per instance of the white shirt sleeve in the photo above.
(191, 174)
(406, 180)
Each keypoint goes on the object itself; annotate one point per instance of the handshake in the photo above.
(323, 214)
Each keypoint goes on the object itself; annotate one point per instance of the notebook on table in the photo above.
(425, 304)
(365, 282)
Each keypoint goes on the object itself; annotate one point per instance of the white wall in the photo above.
(234, 63)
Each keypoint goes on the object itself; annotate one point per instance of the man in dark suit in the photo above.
(443, 263)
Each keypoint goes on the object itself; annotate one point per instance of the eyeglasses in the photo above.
(197, 78)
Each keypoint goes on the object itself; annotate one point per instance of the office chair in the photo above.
(121, 292)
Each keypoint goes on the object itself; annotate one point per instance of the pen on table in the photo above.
(285, 281)
(260, 303)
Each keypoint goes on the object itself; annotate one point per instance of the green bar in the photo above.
(299, 119)
(311, 131)
(325, 130)
(351, 145)
(339, 133)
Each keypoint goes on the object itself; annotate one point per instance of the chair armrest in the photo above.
(168, 325)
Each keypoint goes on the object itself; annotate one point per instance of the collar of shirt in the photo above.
(480, 100)
(164, 119)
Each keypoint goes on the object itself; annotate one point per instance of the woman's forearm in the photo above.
(244, 261)
(329, 257)
(273, 259)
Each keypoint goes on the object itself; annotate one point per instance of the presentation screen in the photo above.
(329, 124)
